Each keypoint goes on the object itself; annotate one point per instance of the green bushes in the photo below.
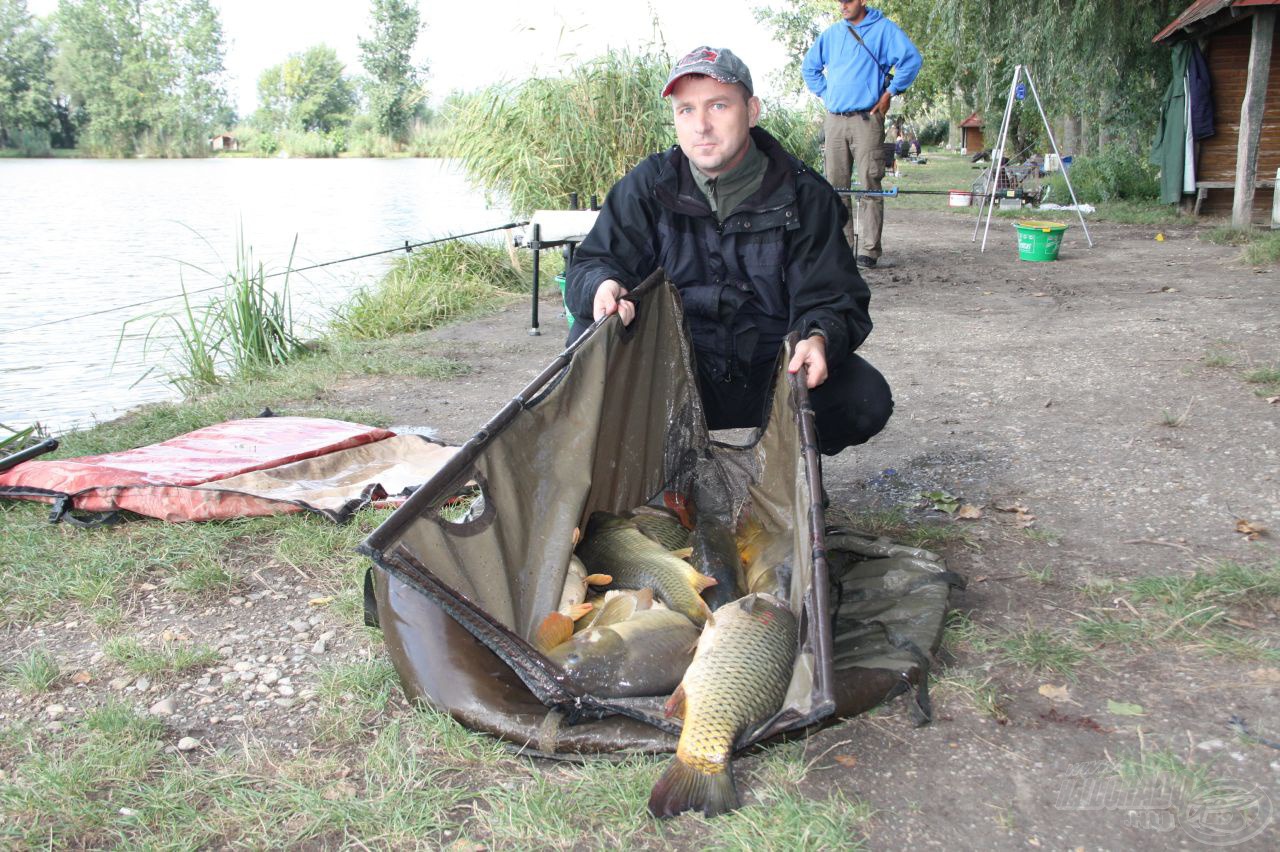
(1112, 175)
(538, 141)
(429, 288)
(797, 130)
(934, 132)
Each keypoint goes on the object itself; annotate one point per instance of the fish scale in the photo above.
(738, 679)
(615, 546)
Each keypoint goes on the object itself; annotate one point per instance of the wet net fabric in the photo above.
(613, 423)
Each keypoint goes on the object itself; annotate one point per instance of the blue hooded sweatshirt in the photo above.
(842, 73)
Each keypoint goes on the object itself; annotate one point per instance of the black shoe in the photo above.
(866, 261)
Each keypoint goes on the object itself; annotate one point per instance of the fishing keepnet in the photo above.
(468, 567)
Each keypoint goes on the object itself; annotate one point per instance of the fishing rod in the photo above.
(407, 247)
(893, 193)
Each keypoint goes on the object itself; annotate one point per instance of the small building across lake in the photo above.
(224, 142)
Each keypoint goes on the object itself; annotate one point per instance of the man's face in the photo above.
(853, 10)
(713, 121)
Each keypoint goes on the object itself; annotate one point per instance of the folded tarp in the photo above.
(257, 466)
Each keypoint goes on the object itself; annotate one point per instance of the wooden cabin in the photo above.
(971, 141)
(224, 142)
(1235, 173)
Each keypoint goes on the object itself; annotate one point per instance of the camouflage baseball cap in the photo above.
(716, 62)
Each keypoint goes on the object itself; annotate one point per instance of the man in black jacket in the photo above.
(752, 238)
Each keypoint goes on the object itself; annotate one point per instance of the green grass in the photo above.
(1041, 650)
(1218, 359)
(206, 575)
(1150, 764)
(414, 780)
(962, 634)
(946, 170)
(51, 570)
(1042, 576)
(429, 288)
(1194, 611)
(1258, 247)
(169, 658)
(36, 672)
(980, 692)
(351, 697)
(1042, 535)
(896, 524)
(1267, 377)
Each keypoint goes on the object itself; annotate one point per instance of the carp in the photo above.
(715, 554)
(573, 597)
(661, 525)
(645, 653)
(737, 680)
(615, 546)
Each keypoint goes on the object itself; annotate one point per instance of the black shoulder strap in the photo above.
(888, 75)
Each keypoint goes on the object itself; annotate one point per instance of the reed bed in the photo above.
(431, 287)
(540, 140)
(246, 329)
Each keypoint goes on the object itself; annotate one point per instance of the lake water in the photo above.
(81, 236)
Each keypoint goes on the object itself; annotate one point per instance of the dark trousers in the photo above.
(850, 407)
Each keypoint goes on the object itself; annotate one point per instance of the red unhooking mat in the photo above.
(259, 466)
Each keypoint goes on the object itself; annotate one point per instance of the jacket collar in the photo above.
(677, 190)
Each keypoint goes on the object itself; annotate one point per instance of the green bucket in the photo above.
(1039, 241)
(560, 282)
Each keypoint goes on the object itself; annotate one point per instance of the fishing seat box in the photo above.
(614, 422)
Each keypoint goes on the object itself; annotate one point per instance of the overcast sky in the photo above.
(470, 44)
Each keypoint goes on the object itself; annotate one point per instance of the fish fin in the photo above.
(577, 536)
(750, 539)
(644, 598)
(576, 612)
(701, 582)
(555, 629)
(681, 505)
(617, 610)
(683, 788)
(683, 553)
(675, 704)
(599, 579)
(706, 613)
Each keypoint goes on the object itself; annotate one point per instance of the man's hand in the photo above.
(811, 353)
(609, 301)
(881, 109)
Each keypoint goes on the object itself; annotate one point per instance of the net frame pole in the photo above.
(1066, 172)
(997, 158)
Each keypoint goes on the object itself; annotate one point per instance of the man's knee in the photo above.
(854, 409)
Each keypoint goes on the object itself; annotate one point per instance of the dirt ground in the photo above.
(1103, 394)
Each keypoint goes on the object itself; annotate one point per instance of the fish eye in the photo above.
(572, 659)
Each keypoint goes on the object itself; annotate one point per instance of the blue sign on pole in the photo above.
(1020, 91)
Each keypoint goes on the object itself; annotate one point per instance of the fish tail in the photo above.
(683, 788)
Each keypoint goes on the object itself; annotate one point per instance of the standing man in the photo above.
(751, 238)
(856, 66)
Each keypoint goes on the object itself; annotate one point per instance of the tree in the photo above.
(306, 92)
(1089, 57)
(26, 88)
(395, 88)
(142, 75)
